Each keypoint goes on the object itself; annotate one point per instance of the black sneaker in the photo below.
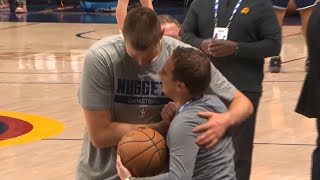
(275, 64)
(307, 65)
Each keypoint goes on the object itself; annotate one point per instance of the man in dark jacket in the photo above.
(309, 101)
(238, 34)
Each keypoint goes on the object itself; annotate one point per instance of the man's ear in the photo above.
(162, 31)
(181, 86)
(162, 28)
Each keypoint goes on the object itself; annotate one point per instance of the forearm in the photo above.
(111, 134)
(239, 109)
(260, 49)
(114, 132)
(146, 3)
(121, 12)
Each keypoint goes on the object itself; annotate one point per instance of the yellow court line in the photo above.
(43, 127)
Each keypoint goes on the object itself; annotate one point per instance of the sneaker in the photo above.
(307, 65)
(275, 64)
(20, 7)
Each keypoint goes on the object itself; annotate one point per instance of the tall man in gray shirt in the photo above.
(120, 90)
(185, 77)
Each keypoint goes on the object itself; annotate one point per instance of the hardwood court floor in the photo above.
(40, 68)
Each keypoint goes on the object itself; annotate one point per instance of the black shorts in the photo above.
(301, 4)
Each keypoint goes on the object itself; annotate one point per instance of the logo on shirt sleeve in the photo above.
(245, 10)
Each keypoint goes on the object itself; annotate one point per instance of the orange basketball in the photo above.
(143, 152)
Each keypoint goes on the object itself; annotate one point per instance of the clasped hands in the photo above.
(219, 47)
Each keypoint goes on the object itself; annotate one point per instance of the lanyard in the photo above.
(187, 103)
(216, 8)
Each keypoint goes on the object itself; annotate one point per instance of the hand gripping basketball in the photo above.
(143, 152)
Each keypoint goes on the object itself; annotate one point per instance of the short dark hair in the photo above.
(142, 28)
(166, 18)
(192, 67)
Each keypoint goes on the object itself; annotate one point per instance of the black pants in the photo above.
(12, 4)
(315, 170)
(242, 136)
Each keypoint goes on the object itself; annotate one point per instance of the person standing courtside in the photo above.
(238, 34)
(309, 101)
(305, 9)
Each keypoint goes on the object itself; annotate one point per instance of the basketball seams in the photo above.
(154, 134)
(140, 141)
(155, 144)
(156, 152)
(131, 142)
(153, 138)
(162, 149)
(159, 141)
(138, 154)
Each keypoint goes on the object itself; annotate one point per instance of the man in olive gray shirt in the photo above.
(185, 77)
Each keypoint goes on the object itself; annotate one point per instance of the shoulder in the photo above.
(181, 126)
(207, 103)
(214, 103)
(199, 3)
(171, 42)
(188, 117)
(106, 49)
(110, 43)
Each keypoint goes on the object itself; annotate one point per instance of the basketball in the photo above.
(143, 151)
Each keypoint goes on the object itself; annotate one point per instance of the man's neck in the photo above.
(159, 49)
(182, 99)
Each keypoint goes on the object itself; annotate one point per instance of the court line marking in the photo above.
(285, 144)
(43, 127)
(8, 82)
(289, 35)
(258, 143)
(76, 72)
(13, 27)
(79, 35)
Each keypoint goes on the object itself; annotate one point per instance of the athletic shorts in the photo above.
(301, 4)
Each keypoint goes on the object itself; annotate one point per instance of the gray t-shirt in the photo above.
(188, 161)
(113, 80)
